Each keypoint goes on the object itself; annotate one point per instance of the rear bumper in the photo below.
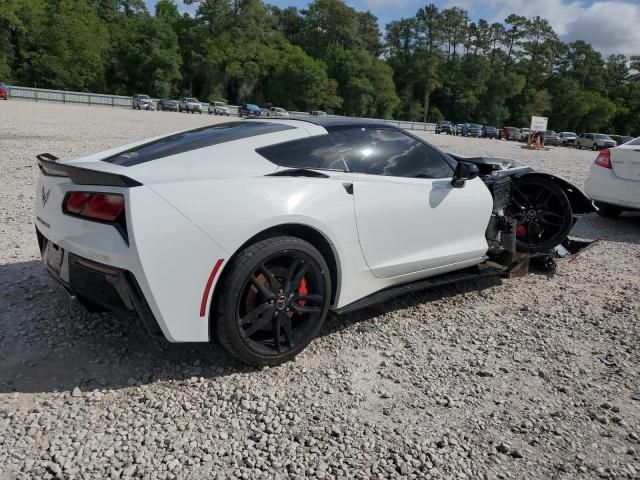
(98, 287)
(604, 186)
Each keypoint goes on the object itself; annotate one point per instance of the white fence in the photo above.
(44, 95)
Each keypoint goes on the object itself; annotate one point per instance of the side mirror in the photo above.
(464, 171)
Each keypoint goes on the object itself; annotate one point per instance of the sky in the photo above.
(611, 26)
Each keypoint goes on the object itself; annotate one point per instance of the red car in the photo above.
(507, 133)
(3, 91)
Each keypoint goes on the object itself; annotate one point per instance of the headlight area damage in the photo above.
(533, 212)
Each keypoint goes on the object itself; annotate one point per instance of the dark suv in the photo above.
(444, 127)
(249, 110)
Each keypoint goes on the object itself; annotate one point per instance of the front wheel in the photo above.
(607, 210)
(274, 299)
(542, 212)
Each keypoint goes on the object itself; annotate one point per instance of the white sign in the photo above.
(538, 124)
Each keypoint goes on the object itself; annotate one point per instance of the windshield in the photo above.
(600, 136)
(191, 100)
(549, 133)
(568, 134)
(143, 97)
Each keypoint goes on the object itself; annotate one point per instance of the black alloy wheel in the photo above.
(274, 300)
(542, 212)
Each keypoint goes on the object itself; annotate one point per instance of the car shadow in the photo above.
(50, 343)
(623, 229)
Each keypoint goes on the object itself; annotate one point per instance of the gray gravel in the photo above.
(527, 378)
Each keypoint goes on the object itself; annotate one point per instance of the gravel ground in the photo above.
(525, 378)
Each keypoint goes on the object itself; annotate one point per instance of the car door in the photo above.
(409, 216)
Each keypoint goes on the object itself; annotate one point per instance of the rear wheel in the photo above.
(607, 210)
(594, 147)
(542, 212)
(274, 299)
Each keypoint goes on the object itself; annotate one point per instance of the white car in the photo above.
(277, 112)
(614, 179)
(219, 108)
(251, 231)
(190, 105)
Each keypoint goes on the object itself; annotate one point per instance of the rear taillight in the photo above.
(106, 207)
(604, 159)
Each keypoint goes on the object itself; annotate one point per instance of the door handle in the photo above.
(348, 187)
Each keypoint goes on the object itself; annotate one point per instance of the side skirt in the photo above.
(480, 271)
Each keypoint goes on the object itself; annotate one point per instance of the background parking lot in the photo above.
(528, 378)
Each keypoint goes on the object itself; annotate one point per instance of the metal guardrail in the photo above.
(40, 94)
(45, 95)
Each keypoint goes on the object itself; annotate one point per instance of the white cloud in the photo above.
(609, 26)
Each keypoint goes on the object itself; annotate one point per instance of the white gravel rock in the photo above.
(527, 378)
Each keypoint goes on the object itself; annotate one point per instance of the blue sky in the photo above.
(611, 26)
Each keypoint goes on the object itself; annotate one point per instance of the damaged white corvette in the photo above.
(252, 231)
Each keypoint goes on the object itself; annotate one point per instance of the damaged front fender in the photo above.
(580, 203)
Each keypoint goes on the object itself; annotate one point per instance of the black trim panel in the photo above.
(193, 140)
(84, 176)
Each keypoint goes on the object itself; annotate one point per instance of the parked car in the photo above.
(190, 105)
(249, 110)
(168, 105)
(620, 139)
(142, 102)
(257, 247)
(277, 112)
(551, 138)
(567, 139)
(524, 134)
(471, 130)
(594, 141)
(318, 113)
(219, 108)
(614, 179)
(4, 91)
(508, 133)
(489, 132)
(444, 127)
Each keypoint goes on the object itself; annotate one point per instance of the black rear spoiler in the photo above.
(50, 167)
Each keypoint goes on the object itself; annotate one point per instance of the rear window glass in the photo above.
(317, 152)
(634, 142)
(193, 140)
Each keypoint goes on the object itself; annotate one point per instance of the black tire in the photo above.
(594, 147)
(578, 146)
(608, 211)
(542, 212)
(262, 293)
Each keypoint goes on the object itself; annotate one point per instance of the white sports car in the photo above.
(614, 179)
(251, 231)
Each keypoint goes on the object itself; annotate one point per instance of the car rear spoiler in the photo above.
(50, 167)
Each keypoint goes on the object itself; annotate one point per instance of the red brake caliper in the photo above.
(302, 290)
(521, 231)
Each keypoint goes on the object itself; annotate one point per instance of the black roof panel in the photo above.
(193, 140)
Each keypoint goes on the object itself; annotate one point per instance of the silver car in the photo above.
(142, 102)
(219, 108)
(595, 141)
(190, 105)
(567, 138)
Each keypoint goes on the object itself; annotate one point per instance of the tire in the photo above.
(542, 212)
(607, 210)
(578, 146)
(264, 287)
(594, 147)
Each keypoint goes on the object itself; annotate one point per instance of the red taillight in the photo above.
(99, 206)
(604, 159)
(76, 201)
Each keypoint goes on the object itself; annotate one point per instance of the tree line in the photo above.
(437, 64)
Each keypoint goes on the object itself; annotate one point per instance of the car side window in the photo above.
(389, 152)
(316, 152)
